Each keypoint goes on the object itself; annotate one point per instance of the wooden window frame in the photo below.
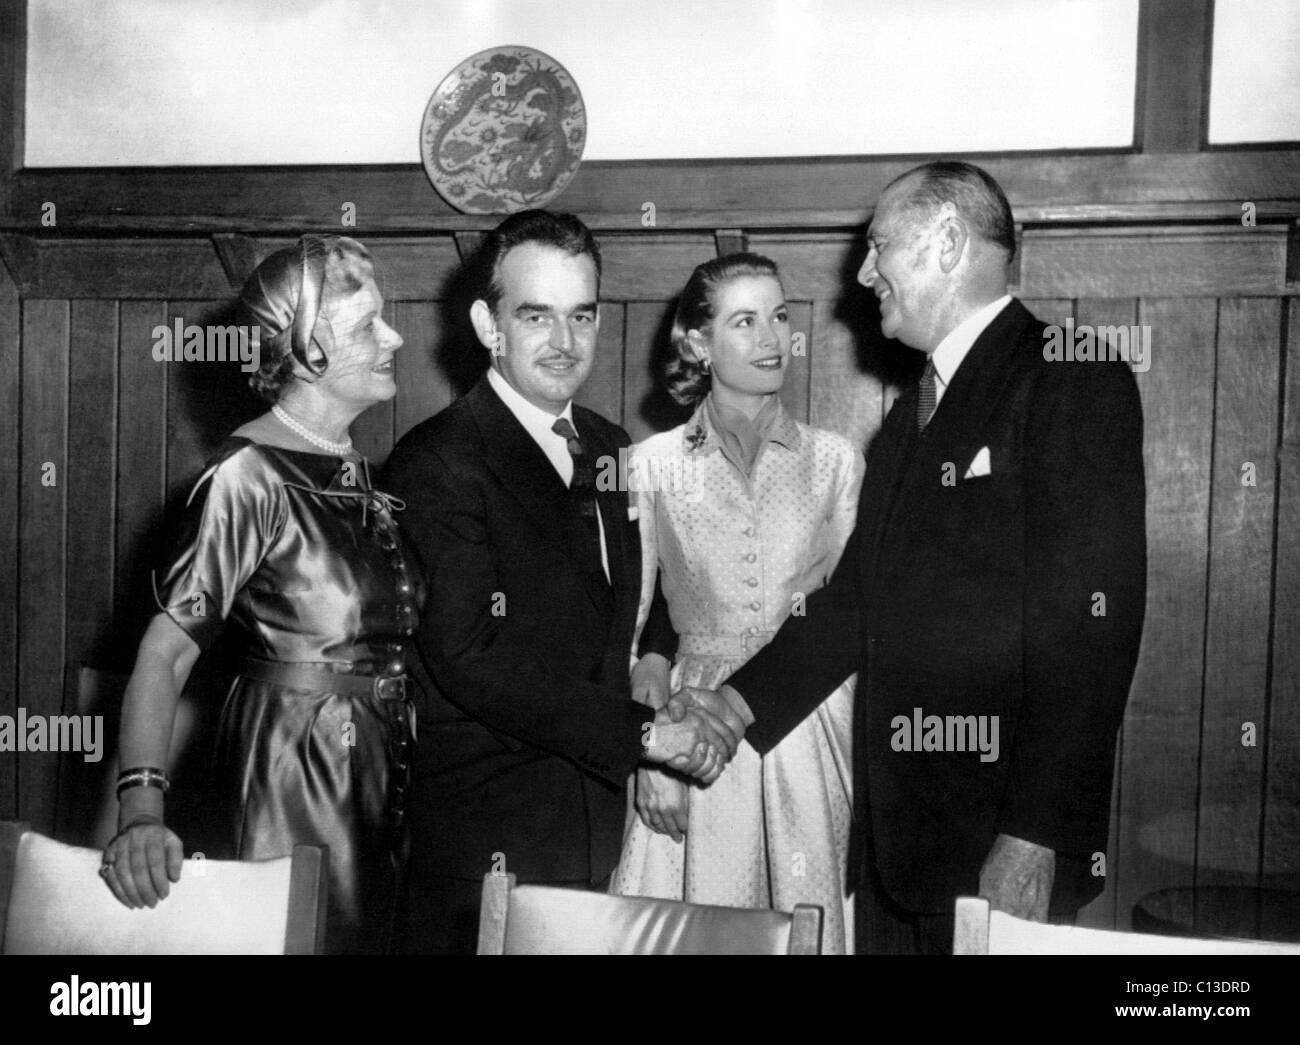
(1169, 174)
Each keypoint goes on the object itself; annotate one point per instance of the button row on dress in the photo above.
(406, 613)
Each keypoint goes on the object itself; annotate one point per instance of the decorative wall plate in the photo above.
(503, 132)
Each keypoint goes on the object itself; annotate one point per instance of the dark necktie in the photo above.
(925, 404)
(582, 492)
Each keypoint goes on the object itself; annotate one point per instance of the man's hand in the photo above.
(662, 802)
(1017, 877)
(726, 705)
(697, 744)
(650, 681)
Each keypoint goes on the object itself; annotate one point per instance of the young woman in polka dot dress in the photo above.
(744, 512)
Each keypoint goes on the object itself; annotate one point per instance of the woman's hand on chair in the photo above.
(141, 861)
(663, 802)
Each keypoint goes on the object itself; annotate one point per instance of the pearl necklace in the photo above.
(342, 449)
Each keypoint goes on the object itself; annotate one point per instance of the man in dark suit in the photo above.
(527, 729)
(991, 597)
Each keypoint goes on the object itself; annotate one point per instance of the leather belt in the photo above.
(322, 678)
(393, 691)
(742, 645)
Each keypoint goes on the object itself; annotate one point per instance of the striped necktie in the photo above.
(925, 404)
(582, 489)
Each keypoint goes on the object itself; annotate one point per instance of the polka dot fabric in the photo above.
(737, 556)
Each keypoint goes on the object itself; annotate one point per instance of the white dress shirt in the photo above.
(947, 357)
(537, 423)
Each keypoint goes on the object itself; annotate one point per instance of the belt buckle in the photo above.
(391, 687)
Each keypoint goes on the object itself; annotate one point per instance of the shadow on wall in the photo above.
(657, 408)
(458, 354)
(891, 362)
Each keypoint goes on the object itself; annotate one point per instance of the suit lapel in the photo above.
(522, 467)
(976, 388)
(888, 461)
(957, 429)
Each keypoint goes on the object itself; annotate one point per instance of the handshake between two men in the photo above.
(698, 731)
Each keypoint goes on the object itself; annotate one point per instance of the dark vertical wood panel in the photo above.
(645, 325)
(92, 454)
(1237, 631)
(141, 471)
(1142, 261)
(816, 265)
(1173, 74)
(795, 391)
(191, 385)
(1100, 914)
(10, 472)
(92, 445)
(13, 91)
(1280, 858)
(651, 266)
(819, 269)
(422, 388)
(1106, 312)
(1158, 784)
(603, 389)
(158, 267)
(42, 561)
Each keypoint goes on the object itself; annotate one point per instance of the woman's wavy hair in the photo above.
(285, 298)
(684, 378)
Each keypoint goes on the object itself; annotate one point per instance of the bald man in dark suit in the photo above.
(991, 598)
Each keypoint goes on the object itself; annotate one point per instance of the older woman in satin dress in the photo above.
(744, 511)
(284, 540)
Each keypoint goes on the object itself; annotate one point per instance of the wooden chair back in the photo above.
(53, 901)
(982, 931)
(532, 919)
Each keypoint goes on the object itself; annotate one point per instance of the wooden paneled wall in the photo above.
(1207, 788)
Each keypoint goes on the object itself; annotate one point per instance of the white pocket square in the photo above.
(633, 514)
(980, 465)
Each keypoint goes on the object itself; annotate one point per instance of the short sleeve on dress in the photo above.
(230, 521)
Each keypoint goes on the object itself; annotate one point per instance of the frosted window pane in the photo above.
(1255, 78)
(150, 82)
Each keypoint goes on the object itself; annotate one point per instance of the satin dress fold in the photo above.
(736, 554)
(301, 557)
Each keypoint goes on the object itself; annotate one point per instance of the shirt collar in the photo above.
(952, 349)
(535, 420)
(700, 438)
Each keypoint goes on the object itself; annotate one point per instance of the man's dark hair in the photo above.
(978, 198)
(565, 232)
